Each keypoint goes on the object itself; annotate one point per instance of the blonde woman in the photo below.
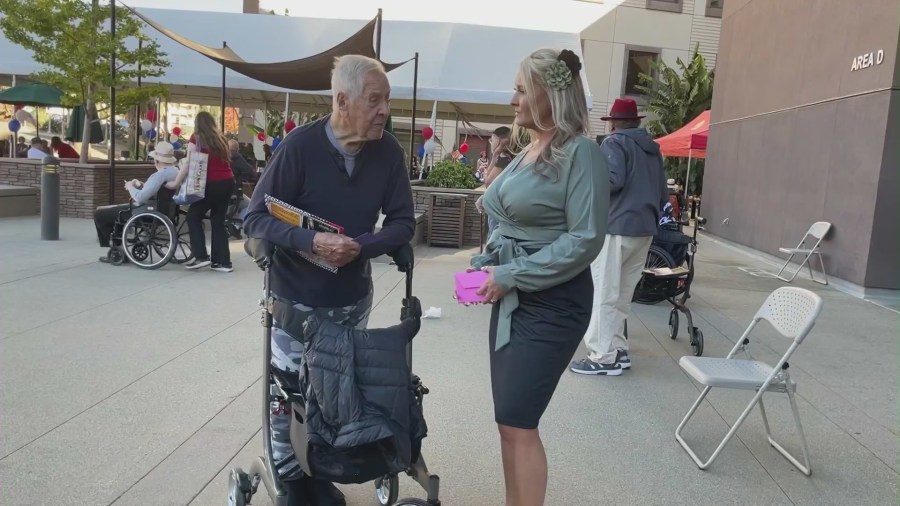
(207, 138)
(550, 205)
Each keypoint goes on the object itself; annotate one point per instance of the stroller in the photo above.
(348, 464)
(668, 274)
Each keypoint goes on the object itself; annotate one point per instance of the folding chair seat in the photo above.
(817, 232)
(792, 312)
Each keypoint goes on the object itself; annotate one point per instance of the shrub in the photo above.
(452, 174)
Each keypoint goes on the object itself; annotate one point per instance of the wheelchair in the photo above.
(151, 235)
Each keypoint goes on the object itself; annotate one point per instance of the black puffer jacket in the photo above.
(363, 419)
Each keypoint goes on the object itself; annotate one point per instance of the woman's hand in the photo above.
(490, 290)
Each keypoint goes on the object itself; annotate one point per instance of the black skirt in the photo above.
(545, 332)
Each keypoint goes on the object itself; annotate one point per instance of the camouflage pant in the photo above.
(287, 356)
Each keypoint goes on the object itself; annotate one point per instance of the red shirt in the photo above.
(217, 169)
(66, 151)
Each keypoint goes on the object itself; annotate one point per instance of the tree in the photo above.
(675, 97)
(72, 40)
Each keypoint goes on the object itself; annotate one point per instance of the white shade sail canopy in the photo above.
(466, 68)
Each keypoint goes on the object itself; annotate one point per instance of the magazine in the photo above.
(666, 271)
(300, 218)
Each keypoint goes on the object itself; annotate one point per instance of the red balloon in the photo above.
(463, 148)
(289, 125)
(151, 115)
(261, 136)
(177, 131)
(18, 107)
(427, 132)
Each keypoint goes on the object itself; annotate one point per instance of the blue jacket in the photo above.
(637, 182)
(363, 419)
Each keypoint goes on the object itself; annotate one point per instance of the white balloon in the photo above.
(123, 123)
(430, 146)
(173, 138)
(146, 125)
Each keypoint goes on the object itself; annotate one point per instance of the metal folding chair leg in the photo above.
(731, 432)
(803, 468)
(783, 267)
(757, 399)
(806, 261)
(821, 264)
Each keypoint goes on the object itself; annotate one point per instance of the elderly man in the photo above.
(638, 192)
(344, 169)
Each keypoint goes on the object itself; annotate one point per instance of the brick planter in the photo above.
(472, 225)
(83, 187)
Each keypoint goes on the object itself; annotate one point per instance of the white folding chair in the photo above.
(817, 231)
(793, 312)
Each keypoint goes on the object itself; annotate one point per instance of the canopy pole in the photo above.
(112, 104)
(137, 114)
(287, 112)
(222, 105)
(378, 36)
(412, 124)
(687, 177)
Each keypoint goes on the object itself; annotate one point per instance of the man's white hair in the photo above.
(349, 74)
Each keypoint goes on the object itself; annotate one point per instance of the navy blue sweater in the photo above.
(308, 172)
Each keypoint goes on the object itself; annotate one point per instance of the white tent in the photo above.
(466, 68)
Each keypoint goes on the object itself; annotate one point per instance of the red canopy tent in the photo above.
(689, 140)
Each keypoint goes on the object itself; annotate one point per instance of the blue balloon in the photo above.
(150, 133)
(421, 151)
(176, 145)
(14, 126)
(275, 143)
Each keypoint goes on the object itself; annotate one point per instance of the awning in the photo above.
(689, 140)
(312, 73)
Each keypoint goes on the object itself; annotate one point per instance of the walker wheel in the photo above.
(239, 490)
(115, 256)
(697, 342)
(673, 323)
(387, 488)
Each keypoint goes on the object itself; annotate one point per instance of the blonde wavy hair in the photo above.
(568, 106)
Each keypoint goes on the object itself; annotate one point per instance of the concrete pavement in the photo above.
(122, 386)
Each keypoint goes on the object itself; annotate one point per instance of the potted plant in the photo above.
(452, 174)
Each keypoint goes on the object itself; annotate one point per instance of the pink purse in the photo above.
(467, 283)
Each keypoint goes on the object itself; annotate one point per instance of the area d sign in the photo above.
(867, 60)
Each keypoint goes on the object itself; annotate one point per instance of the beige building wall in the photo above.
(640, 25)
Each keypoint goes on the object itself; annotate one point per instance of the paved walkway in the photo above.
(122, 386)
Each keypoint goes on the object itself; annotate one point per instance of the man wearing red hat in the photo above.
(638, 192)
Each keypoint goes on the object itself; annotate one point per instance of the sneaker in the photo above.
(197, 264)
(588, 366)
(222, 267)
(622, 359)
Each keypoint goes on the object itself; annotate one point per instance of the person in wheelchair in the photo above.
(105, 217)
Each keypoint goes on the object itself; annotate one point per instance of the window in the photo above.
(714, 8)
(665, 5)
(637, 62)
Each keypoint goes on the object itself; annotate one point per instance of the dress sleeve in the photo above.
(586, 208)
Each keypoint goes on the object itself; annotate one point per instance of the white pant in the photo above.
(616, 272)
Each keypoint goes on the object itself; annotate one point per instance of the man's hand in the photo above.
(336, 249)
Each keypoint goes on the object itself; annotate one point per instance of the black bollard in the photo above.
(50, 199)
